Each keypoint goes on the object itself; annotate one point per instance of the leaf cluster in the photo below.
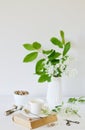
(75, 100)
(66, 110)
(52, 56)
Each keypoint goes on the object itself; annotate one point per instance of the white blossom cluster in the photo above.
(61, 67)
(71, 72)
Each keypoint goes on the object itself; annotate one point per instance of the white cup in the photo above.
(19, 99)
(36, 106)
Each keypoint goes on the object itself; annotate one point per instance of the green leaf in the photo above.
(28, 46)
(43, 78)
(81, 99)
(66, 48)
(72, 100)
(54, 55)
(30, 57)
(39, 66)
(57, 108)
(54, 110)
(47, 51)
(57, 42)
(62, 36)
(36, 45)
(55, 61)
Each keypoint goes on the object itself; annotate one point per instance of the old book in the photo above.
(33, 122)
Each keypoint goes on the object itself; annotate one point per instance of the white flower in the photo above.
(62, 67)
(50, 70)
(59, 68)
(69, 60)
(56, 66)
(71, 72)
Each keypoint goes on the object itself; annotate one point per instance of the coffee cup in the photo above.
(36, 106)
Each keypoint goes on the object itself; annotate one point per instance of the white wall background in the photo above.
(38, 20)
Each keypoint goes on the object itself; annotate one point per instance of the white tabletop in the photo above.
(6, 123)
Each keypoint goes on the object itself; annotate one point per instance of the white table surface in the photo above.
(6, 123)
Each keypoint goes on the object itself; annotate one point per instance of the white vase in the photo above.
(54, 93)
